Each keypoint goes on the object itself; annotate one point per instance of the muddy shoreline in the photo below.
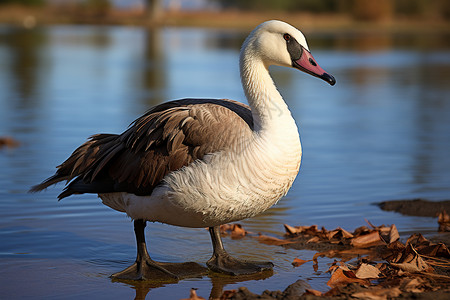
(415, 285)
(416, 207)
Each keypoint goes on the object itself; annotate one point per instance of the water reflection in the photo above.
(381, 133)
(153, 74)
(24, 60)
(218, 282)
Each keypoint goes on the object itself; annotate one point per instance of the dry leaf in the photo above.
(412, 262)
(416, 239)
(366, 271)
(298, 262)
(345, 233)
(378, 294)
(224, 228)
(290, 230)
(438, 250)
(369, 295)
(312, 292)
(341, 277)
(367, 240)
(412, 285)
(193, 296)
(8, 142)
(389, 234)
(270, 240)
(235, 230)
(315, 239)
(338, 233)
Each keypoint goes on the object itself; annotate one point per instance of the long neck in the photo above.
(268, 107)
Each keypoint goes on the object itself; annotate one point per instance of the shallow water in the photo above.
(382, 133)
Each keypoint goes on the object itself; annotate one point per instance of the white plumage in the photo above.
(202, 162)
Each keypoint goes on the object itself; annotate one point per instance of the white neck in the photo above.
(268, 107)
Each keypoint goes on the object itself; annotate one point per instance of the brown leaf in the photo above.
(270, 240)
(337, 233)
(9, 142)
(315, 267)
(341, 277)
(444, 221)
(224, 228)
(314, 239)
(378, 294)
(411, 261)
(362, 230)
(367, 240)
(369, 295)
(308, 229)
(312, 292)
(393, 251)
(412, 285)
(389, 234)
(237, 231)
(366, 271)
(345, 234)
(193, 296)
(417, 239)
(329, 253)
(330, 234)
(438, 250)
(298, 262)
(290, 230)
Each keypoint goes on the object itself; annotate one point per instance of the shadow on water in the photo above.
(381, 133)
(218, 283)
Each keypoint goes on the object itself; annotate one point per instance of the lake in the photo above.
(381, 133)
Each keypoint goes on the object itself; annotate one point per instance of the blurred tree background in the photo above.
(358, 10)
(370, 10)
(23, 2)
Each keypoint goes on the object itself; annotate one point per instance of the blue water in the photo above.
(382, 133)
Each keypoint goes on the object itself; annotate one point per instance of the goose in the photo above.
(201, 163)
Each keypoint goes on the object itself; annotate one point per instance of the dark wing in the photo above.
(169, 136)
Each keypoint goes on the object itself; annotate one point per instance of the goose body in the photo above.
(202, 162)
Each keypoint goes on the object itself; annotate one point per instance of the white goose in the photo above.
(201, 162)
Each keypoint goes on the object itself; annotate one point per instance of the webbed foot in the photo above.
(224, 263)
(147, 269)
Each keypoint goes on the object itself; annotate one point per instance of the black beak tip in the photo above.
(328, 78)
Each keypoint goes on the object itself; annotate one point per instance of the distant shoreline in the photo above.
(30, 17)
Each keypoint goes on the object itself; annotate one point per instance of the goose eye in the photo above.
(287, 36)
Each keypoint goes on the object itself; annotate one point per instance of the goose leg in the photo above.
(222, 262)
(147, 269)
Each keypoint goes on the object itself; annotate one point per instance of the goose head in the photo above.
(278, 43)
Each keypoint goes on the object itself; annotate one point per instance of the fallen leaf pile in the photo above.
(362, 237)
(374, 263)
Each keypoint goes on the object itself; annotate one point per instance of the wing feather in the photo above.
(166, 138)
